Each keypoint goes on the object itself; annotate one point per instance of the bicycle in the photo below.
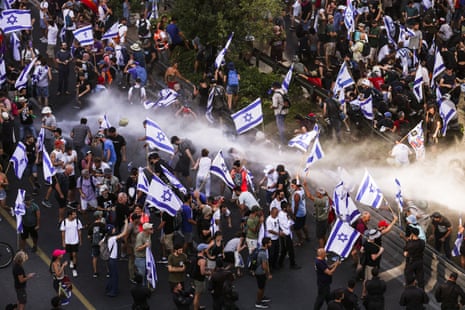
(6, 254)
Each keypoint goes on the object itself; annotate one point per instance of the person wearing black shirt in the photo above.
(167, 225)
(31, 163)
(448, 294)
(63, 59)
(140, 294)
(336, 303)
(120, 149)
(324, 277)
(217, 281)
(413, 251)
(441, 233)
(350, 300)
(375, 289)
(20, 278)
(182, 299)
(122, 210)
(83, 88)
(413, 297)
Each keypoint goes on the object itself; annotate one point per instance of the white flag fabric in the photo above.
(368, 192)
(105, 124)
(344, 206)
(458, 241)
(447, 111)
(173, 180)
(48, 169)
(366, 106)
(208, 113)
(166, 97)
(427, 4)
(261, 233)
(349, 19)
(15, 46)
(343, 80)
(111, 33)
(19, 160)
(2, 71)
(40, 140)
(418, 84)
(219, 59)
(151, 267)
(23, 78)
(85, 35)
(220, 169)
(438, 68)
(390, 29)
(15, 20)
(341, 239)
(302, 141)
(399, 198)
(416, 140)
(142, 181)
(287, 79)
(20, 210)
(162, 197)
(316, 153)
(8, 4)
(248, 117)
(156, 138)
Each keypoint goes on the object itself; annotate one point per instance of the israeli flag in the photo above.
(349, 19)
(166, 97)
(416, 140)
(302, 141)
(438, 68)
(20, 210)
(219, 59)
(208, 113)
(249, 178)
(368, 193)
(105, 124)
(162, 197)
(62, 34)
(156, 137)
(248, 117)
(344, 206)
(418, 84)
(24, 75)
(366, 106)
(142, 182)
(84, 35)
(151, 267)
(15, 20)
(40, 140)
(458, 241)
(404, 35)
(315, 154)
(19, 160)
(341, 239)
(261, 233)
(173, 180)
(220, 169)
(344, 79)
(16, 46)
(399, 198)
(7, 4)
(287, 79)
(427, 4)
(448, 112)
(2, 71)
(47, 165)
(390, 29)
(111, 33)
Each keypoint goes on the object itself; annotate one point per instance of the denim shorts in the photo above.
(42, 91)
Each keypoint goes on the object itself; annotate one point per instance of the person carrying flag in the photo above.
(31, 223)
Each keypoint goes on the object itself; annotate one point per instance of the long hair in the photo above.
(20, 257)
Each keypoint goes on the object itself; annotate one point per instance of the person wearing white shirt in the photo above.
(68, 13)
(271, 178)
(278, 200)
(287, 247)
(71, 238)
(219, 210)
(232, 251)
(245, 201)
(112, 238)
(203, 165)
(399, 155)
(272, 231)
(43, 15)
(123, 30)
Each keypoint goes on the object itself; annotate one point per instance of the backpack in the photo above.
(104, 250)
(193, 268)
(142, 31)
(233, 79)
(219, 98)
(237, 178)
(286, 101)
(68, 20)
(253, 260)
(96, 235)
(366, 49)
(136, 94)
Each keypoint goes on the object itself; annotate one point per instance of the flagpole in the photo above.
(7, 168)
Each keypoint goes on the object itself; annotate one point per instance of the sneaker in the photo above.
(95, 275)
(58, 93)
(65, 302)
(261, 305)
(46, 203)
(71, 265)
(75, 274)
(266, 299)
(132, 281)
(67, 93)
(77, 107)
(108, 275)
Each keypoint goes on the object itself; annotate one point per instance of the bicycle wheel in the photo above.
(6, 255)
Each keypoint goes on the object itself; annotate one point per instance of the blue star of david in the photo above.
(166, 196)
(85, 34)
(12, 19)
(247, 117)
(342, 237)
(160, 136)
(18, 211)
(223, 166)
(372, 189)
(304, 136)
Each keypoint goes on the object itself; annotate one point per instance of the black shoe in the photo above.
(266, 299)
(295, 267)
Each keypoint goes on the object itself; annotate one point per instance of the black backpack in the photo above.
(142, 31)
(366, 49)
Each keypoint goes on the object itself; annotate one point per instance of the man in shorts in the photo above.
(187, 222)
(95, 233)
(87, 185)
(31, 223)
(71, 238)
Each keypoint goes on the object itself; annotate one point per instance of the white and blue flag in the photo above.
(287, 79)
(248, 117)
(15, 46)
(220, 169)
(208, 113)
(399, 198)
(173, 180)
(341, 239)
(151, 267)
(344, 206)
(418, 84)
(105, 124)
(349, 17)
(344, 79)
(438, 68)
(366, 106)
(111, 33)
(457, 244)
(84, 35)
(156, 138)
(15, 20)
(448, 112)
(416, 140)
(368, 193)
(219, 59)
(142, 181)
(166, 97)
(7, 4)
(2, 71)
(62, 34)
(390, 29)
(19, 160)
(23, 77)
(20, 210)
(162, 197)
(48, 169)
(316, 154)
(302, 141)
(40, 140)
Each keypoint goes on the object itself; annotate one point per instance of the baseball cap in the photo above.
(110, 227)
(202, 247)
(321, 190)
(412, 219)
(58, 252)
(383, 223)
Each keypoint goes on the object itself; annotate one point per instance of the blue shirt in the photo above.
(301, 209)
(173, 31)
(108, 145)
(186, 216)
